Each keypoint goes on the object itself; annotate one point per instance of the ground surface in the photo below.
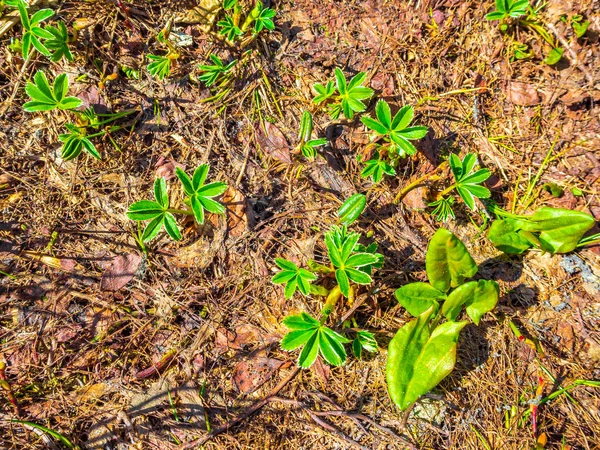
(80, 354)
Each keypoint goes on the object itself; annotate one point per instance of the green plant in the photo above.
(423, 351)
(211, 73)
(344, 96)
(553, 230)
(160, 65)
(307, 145)
(351, 263)
(55, 39)
(508, 9)
(160, 214)
(257, 19)
(467, 183)
(579, 25)
(45, 97)
(352, 208)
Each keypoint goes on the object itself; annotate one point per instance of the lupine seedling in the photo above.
(160, 65)
(307, 145)
(508, 9)
(351, 264)
(423, 351)
(200, 197)
(396, 134)
(55, 39)
(467, 183)
(256, 20)
(552, 230)
(212, 73)
(46, 97)
(343, 96)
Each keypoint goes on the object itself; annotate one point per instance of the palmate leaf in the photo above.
(294, 278)
(316, 339)
(58, 43)
(364, 340)
(442, 209)
(201, 195)
(157, 212)
(376, 168)
(324, 92)
(468, 180)
(351, 94)
(213, 72)
(160, 66)
(76, 141)
(264, 19)
(229, 29)
(45, 97)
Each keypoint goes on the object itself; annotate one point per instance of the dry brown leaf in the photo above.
(252, 372)
(120, 271)
(520, 93)
(272, 141)
(237, 220)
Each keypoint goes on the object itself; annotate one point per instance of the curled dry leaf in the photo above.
(272, 141)
(120, 271)
(252, 372)
(523, 94)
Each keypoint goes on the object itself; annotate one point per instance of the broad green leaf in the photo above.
(418, 297)
(505, 238)
(485, 298)
(352, 208)
(478, 296)
(554, 56)
(448, 261)
(560, 229)
(384, 115)
(309, 353)
(403, 118)
(417, 360)
(360, 260)
(70, 103)
(343, 281)
(185, 180)
(153, 228)
(358, 276)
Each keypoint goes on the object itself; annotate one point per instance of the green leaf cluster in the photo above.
(553, 230)
(257, 19)
(199, 196)
(395, 131)
(49, 41)
(467, 183)
(307, 145)
(160, 66)
(423, 352)
(316, 339)
(295, 278)
(345, 96)
(212, 73)
(350, 263)
(45, 97)
(508, 8)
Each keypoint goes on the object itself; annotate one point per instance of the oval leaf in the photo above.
(352, 208)
(418, 297)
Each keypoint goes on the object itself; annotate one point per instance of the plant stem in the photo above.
(418, 182)
(445, 191)
(332, 298)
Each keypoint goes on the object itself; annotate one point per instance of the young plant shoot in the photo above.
(423, 351)
(199, 196)
(395, 135)
(254, 21)
(308, 146)
(351, 264)
(343, 96)
(46, 97)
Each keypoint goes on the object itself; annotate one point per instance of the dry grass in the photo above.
(73, 350)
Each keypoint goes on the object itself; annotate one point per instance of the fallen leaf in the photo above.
(121, 270)
(520, 93)
(322, 371)
(252, 372)
(272, 141)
